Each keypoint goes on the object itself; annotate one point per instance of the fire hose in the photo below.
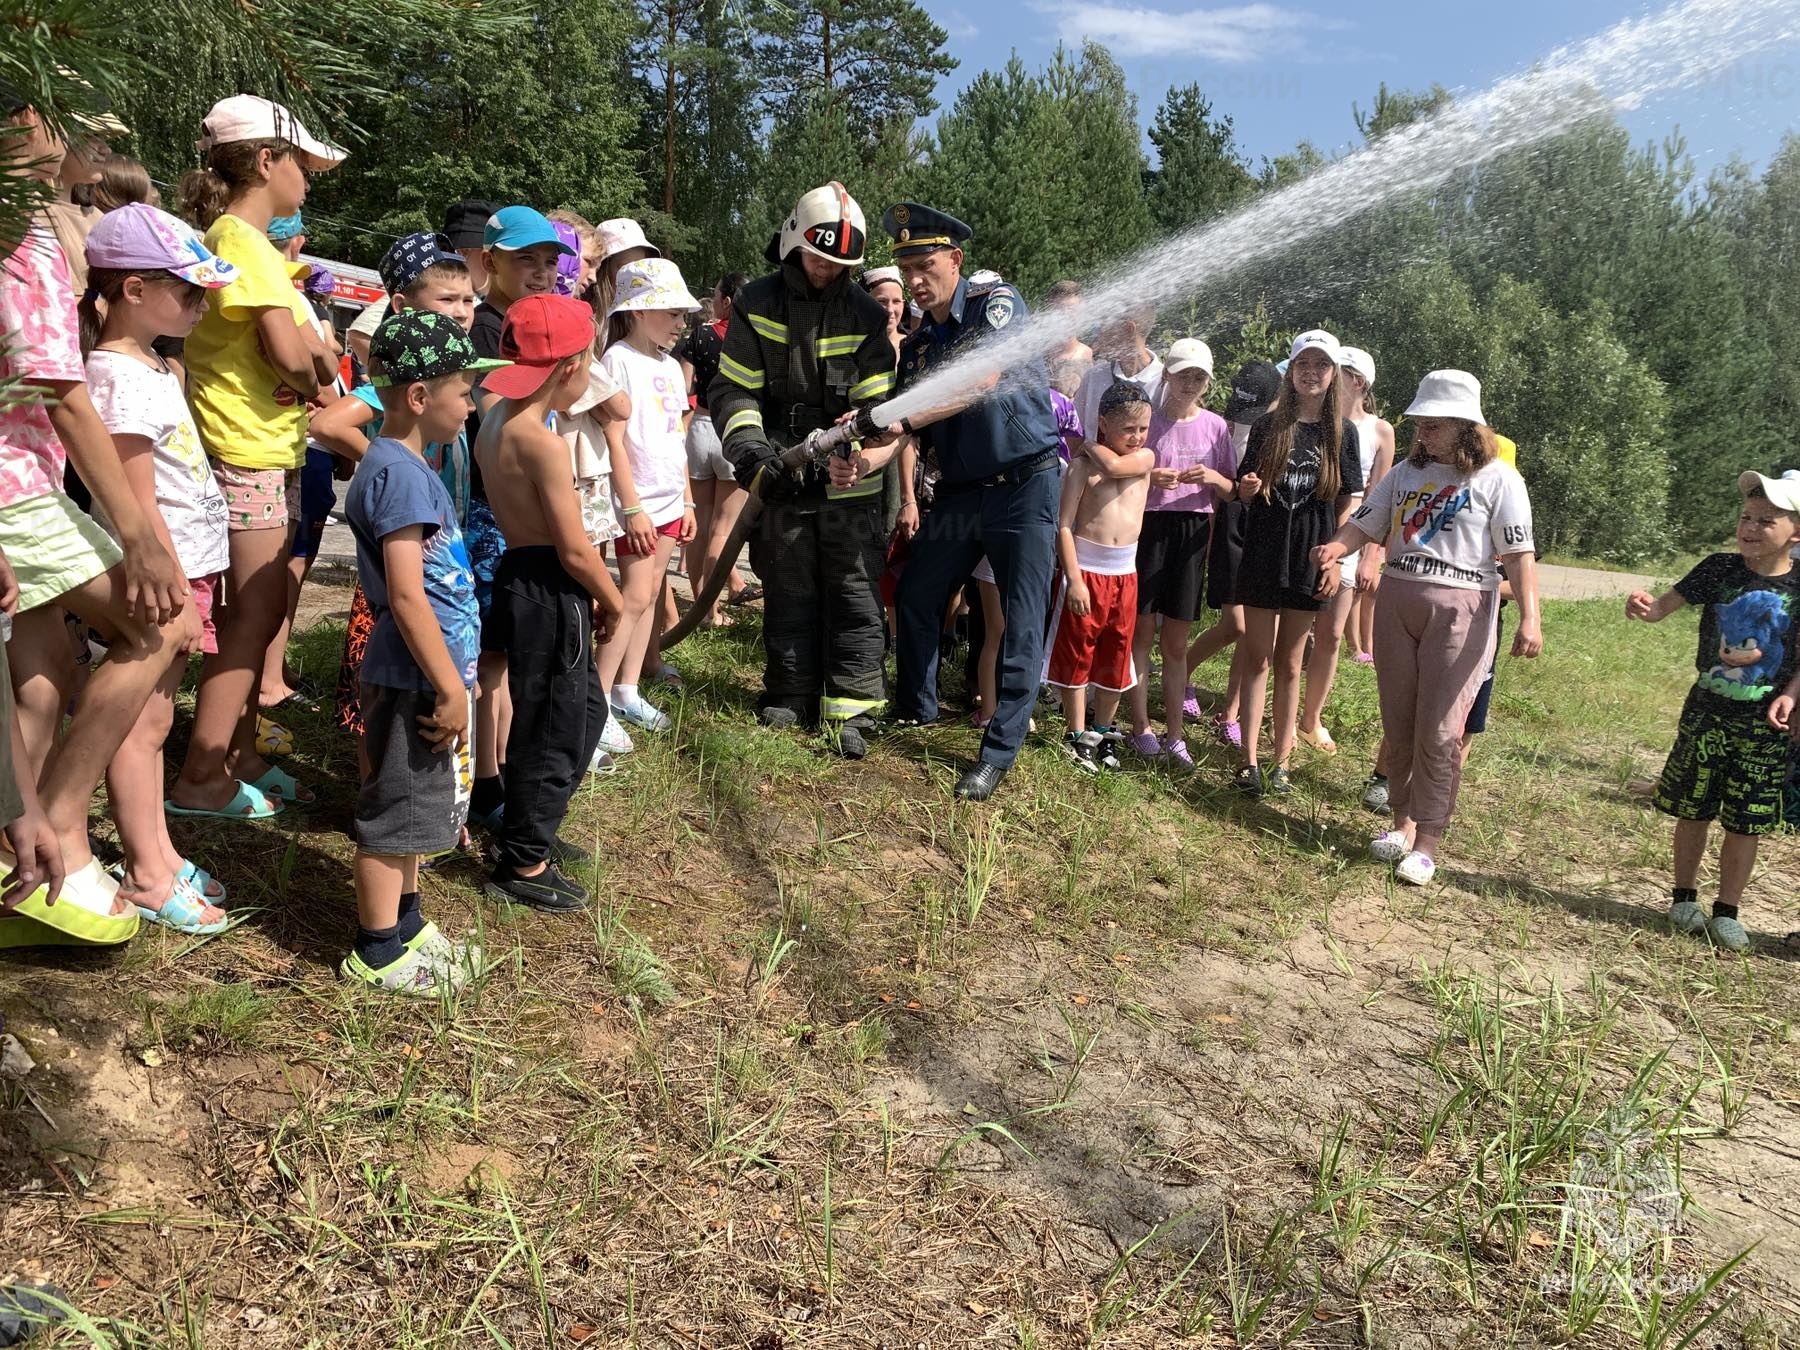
(817, 448)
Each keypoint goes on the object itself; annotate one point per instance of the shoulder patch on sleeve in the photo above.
(999, 309)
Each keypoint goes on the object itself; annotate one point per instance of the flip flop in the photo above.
(201, 880)
(247, 803)
(81, 917)
(751, 592)
(182, 911)
(272, 739)
(278, 785)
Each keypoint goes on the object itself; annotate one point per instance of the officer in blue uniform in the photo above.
(997, 494)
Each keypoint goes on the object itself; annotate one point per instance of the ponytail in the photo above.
(230, 172)
(104, 283)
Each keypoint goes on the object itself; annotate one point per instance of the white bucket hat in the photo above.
(245, 117)
(1188, 354)
(1448, 393)
(618, 235)
(1355, 358)
(652, 283)
(1317, 340)
(1783, 492)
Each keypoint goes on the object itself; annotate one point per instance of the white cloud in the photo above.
(1229, 34)
(959, 25)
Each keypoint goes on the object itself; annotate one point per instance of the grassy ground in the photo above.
(837, 1063)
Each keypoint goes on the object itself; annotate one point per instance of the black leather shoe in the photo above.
(848, 742)
(978, 784)
(778, 717)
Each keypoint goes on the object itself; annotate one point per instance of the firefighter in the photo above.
(805, 346)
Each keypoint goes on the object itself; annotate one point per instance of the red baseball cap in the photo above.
(540, 331)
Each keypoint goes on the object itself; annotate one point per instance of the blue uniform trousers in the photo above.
(1014, 524)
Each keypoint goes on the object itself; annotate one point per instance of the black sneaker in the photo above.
(1249, 781)
(1278, 783)
(1083, 750)
(1110, 741)
(549, 890)
(562, 851)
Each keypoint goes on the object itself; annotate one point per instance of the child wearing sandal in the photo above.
(154, 274)
(419, 668)
(1730, 759)
(254, 361)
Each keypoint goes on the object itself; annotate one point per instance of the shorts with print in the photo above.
(53, 547)
(1727, 765)
(206, 593)
(486, 547)
(415, 799)
(258, 499)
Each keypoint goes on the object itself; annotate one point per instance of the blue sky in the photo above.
(1287, 71)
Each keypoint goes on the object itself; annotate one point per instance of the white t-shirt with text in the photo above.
(653, 432)
(1447, 527)
(134, 400)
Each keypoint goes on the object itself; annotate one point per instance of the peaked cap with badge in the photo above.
(919, 229)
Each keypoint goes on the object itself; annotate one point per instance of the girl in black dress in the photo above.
(1300, 478)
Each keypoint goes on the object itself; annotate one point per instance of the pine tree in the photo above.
(1200, 172)
(881, 59)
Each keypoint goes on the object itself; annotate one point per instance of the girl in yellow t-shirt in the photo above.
(253, 363)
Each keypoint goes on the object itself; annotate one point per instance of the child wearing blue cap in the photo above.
(519, 249)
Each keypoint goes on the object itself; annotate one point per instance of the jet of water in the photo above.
(1619, 69)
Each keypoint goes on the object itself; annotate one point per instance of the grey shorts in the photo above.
(415, 799)
(706, 459)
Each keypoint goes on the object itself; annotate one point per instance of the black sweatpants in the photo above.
(541, 620)
(824, 634)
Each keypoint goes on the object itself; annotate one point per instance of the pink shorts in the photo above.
(622, 544)
(258, 499)
(206, 590)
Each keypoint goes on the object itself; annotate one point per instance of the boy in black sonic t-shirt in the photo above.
(1731, 746)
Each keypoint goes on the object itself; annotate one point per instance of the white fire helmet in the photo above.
(826, 222)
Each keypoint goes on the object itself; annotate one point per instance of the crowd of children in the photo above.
(530, 392)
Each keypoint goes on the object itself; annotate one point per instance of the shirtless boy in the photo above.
(1096, 541)
(549, 584)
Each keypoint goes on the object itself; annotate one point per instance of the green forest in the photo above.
(1631, 320)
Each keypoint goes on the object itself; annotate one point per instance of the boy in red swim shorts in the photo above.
(1102, 512)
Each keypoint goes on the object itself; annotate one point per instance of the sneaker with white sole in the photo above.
(1685, 916)
(1416, 869)
(1388, 847)
(643, 716)
(614, 739)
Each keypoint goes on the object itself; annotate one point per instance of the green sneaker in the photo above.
(419, 972)
(1687, 917)
(1729, 934)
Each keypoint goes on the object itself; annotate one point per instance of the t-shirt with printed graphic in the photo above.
(1445, 526)
(247, 417)
(392, 490)
(1070, 434)
(39, 342)
(1747, 641)
(450, 460)
(135, 400)
(653, 434)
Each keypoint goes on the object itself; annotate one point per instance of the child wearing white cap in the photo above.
(1444, 516)
(1301, 474)
(1732, 748)
(652, 495)
(254, 362)
(1356, 597)
(1194, 469)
